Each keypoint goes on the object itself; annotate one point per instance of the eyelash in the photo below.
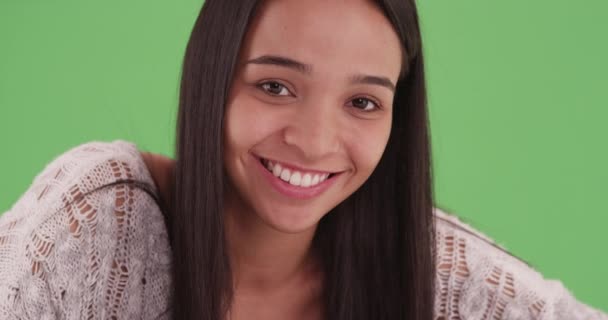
(262, 85)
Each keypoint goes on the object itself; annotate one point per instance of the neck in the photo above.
(263, 259)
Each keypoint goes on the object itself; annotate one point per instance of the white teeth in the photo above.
(285, 175)
(306, 179)
(295, 179)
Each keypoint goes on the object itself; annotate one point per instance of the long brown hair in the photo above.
(377, 246)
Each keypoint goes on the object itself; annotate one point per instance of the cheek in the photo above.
(245, 124)
(368, 146)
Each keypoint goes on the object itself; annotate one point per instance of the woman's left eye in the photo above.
(365, 104)
(274, 88)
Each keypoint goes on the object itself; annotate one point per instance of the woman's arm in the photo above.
(477, 279)
(85, 241)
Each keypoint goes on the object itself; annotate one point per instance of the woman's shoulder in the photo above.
(91, 166)
(477, 278)
(78, 172)
(451, 226)
(87, 239)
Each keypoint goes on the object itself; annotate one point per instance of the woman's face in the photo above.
(310, 108)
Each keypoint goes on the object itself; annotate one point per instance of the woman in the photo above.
(301, 190)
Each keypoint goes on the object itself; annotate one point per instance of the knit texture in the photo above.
(87, 240)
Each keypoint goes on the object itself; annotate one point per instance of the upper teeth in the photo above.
(296, 178)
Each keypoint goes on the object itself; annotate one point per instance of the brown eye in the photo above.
(275, 88)
(364, 104)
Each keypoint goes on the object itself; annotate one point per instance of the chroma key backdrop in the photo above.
(517, 97)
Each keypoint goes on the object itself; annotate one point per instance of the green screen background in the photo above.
(517, 98)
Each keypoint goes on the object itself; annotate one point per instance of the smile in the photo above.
(295, 182)
(305, 179)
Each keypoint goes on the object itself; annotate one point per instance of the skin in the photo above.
(315, 117)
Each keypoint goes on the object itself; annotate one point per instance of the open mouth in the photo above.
(304, 179)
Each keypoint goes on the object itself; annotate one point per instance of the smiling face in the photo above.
(310, 108)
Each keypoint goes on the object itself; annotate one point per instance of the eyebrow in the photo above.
(282, 62)
(375, 80)
(307, 69)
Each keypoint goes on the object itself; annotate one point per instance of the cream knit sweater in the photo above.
(76, 246)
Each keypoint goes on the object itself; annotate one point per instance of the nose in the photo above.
(314, 130)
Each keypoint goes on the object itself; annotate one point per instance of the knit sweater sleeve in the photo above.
(477, 279)
(86, 241)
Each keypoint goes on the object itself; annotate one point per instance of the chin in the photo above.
(291, 220)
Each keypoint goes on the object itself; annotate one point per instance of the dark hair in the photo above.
(377, 246)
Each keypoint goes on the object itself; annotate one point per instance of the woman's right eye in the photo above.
(274, 88)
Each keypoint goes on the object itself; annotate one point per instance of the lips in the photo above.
(294, 176)
(293, 181)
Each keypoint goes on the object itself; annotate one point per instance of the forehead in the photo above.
(330, 35)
